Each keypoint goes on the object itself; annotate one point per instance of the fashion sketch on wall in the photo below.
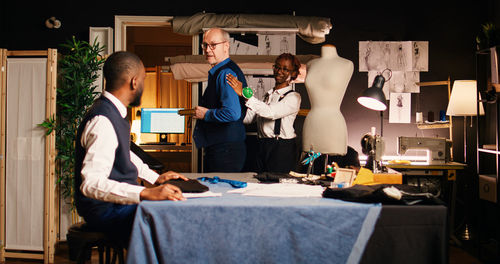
(404, 59)
(260, 85)
(400, 108)
(237, 47)
(276, 44)
(393, 55)
(399, 82)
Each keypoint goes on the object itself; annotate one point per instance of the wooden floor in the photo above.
(457, 256)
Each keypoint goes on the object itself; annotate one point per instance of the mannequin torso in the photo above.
(327, 78)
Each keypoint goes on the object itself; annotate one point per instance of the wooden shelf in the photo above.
(486, 150)
(166, 147)
(433, 126)
(490, 146)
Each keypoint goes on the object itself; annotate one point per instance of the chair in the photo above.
(81, 239)
(153, 163)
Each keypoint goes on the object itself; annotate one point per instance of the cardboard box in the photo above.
(389, 177)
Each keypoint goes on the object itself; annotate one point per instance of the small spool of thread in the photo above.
(430, 116)
(442, 115)
(419, 117)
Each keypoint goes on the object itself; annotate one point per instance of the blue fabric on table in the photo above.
(241, 229)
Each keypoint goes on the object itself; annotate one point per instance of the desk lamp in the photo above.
(463, 102)
(374, 98)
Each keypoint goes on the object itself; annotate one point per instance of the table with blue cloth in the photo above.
(235, 228)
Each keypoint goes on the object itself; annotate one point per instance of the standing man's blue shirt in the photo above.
(231, 109)
(223, 121)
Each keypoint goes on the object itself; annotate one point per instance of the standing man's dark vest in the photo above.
(123, 169)
(211, 133)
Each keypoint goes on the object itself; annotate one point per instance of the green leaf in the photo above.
(78, 69)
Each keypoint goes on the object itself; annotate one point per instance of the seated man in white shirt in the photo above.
(106, 171)
(275, 115)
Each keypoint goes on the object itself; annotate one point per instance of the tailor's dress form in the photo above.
(326, 81)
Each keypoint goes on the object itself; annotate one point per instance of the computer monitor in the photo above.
(162, 121)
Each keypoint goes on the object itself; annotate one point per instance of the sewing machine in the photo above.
(438, 149)
(374, 146)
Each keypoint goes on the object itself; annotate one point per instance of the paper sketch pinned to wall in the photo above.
(420, 56)
(400, 108)
(393, 55)
(276, 44)
(260, 85)
(267, 45)
(237, 47)
(406, 59)
(400, 82)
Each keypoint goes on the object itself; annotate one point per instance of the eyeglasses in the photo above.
(284, 70)
(212, 46)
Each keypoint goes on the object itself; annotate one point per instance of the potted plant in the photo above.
(488, 37)
(78, 70)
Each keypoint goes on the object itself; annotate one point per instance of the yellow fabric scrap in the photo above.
(364, 177)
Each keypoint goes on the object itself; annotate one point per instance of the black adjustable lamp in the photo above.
(374, 98)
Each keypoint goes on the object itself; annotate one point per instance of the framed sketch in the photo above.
(103, 36)
(343, 175)
(400, 108)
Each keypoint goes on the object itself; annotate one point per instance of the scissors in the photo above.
(311, 157)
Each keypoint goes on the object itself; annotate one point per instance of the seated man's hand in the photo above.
(170, 175)
(162, 192)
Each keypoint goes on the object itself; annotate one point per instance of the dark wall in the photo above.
(449, 26)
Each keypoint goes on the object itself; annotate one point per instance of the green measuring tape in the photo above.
(247, 92)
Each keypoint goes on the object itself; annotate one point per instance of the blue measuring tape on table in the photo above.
(235, 184)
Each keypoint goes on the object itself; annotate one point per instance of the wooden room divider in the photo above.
(28, 200)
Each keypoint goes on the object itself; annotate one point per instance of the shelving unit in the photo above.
(433, 126)
(488, 160)
(449, 124)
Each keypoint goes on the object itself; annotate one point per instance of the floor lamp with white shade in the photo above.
(463, 102)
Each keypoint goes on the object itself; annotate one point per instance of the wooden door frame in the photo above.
(121, 24)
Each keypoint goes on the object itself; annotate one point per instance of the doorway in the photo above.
(153, 39)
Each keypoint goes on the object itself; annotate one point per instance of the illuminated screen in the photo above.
(162, 120)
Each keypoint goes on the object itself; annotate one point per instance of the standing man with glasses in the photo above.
(219, 127)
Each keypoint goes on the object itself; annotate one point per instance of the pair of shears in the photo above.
(235, 184)
(311, 157)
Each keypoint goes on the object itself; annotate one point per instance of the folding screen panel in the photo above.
(27, 176)
(25, 153)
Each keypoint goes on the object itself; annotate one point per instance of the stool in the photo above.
(81, 239)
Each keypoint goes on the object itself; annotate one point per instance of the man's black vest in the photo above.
(211, 133)
(123, 169)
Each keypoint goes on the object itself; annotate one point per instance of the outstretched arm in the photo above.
(235, 84)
